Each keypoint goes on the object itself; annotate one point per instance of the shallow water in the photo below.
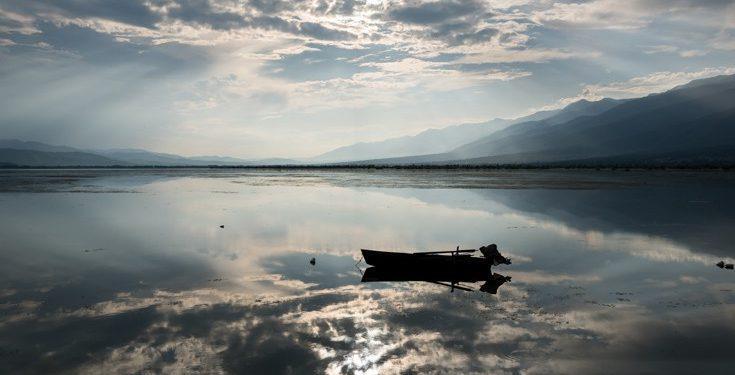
(128, 271)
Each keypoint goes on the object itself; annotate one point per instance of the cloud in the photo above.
(271, 6)
(602, 14)
(423, 13)
(724, 40)
(203, 13)
(134, 12)
(540, 277)
(651, 83)
(538, 55)
(13, 22)
(449, 21)
(663, 48)
(299, 59)
(639, 86)
(339, 7)
(254, 352)
(635, 14)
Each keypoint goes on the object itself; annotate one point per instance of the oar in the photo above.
(451, 286)
(445, 252)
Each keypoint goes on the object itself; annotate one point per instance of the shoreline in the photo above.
(619, 167)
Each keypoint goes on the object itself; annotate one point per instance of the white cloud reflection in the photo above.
(152, 301)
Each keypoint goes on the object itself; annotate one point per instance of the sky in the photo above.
(257, 78)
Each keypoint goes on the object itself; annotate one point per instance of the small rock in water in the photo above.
(221, 226)
(720, 264)
(729, 266)
(312, 261)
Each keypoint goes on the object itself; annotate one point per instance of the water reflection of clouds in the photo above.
(355, 329)
(173, 292)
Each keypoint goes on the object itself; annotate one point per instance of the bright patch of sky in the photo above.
(263, 78)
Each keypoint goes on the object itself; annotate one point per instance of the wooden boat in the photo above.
(455, 258)
(448, 268)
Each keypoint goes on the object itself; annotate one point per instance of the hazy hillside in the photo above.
(36, 154)
(17, 144)
(700, 115)
(143, 157)
(568, 113)
(427, 142)
(692, 123)
(571, 111)
(31, 158)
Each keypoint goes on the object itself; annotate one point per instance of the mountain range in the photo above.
(689, 124)
(15, 152)
(692, 123)
(427, 142)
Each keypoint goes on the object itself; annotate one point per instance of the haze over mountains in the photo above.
(14, 152)
(447, 139)
(427, 142)
(692, 123)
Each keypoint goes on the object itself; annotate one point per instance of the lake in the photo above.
(129, 271)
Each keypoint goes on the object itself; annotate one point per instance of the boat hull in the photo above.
(432, 267)
(406, 261)
(448, 274)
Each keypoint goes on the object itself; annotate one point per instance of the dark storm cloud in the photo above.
(434, 12)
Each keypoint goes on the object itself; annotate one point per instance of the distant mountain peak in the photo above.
(429, 141)
(719, 79)
(680, 125)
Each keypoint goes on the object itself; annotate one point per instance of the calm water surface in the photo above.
(129, 272)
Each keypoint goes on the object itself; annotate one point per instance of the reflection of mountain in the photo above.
(701, 218)
(693, 210)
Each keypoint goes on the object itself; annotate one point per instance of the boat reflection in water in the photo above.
(448, 268)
